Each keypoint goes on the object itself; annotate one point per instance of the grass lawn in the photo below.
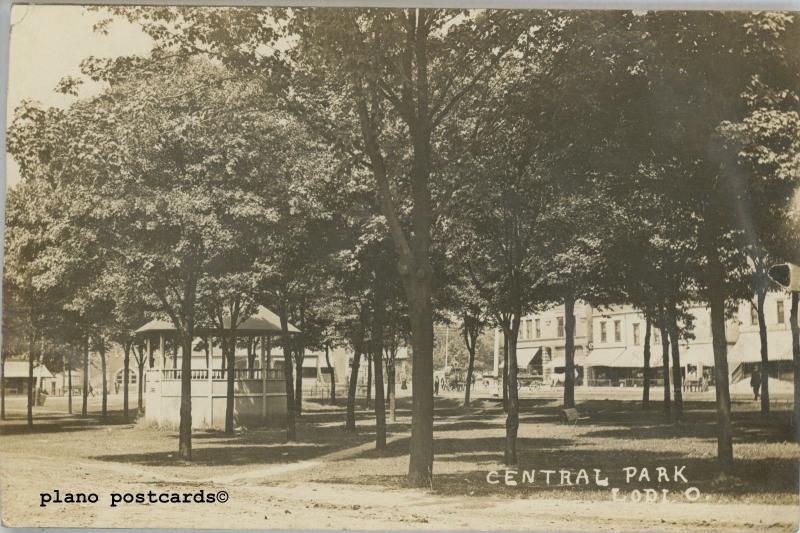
(329, 478)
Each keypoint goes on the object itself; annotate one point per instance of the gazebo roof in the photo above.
(263, 321)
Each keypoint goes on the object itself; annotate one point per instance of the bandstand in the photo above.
(259, 392)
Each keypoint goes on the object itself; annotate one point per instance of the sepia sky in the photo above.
(48, 43)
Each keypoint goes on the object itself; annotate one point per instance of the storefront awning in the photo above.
(748, 347)
(560, 361)
(526, 356)
(633, 357)
(603, 356)
(698, 354)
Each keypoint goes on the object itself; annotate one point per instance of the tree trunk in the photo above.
(665, 367)
(288, 374)
(299, 355)
(391, 392)
(330, 373)
(724, 431)
(646, 382)
(377, 360)
(796, 361)
(2, 385)
(229, 348)
(368, 397)
(251, 357)
(140, 386)
(761, 295)
(185, 426)
(31, 350)
(350, 424)
(512, 419)
(677, 376)
(125, 383)
(69, 387)
(470, 370)
(505, 373)
(569, 351)
(104, 410)
(420, 467)
(472, 327)
(85, 400)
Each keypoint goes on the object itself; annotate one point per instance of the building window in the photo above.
(560, 332)
(753, 315)
(780, 312)
(656, 335)
(617, 331)
(603, 333)
(538, 328)
(636, 337)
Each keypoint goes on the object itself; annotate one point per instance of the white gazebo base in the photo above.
(257, 401)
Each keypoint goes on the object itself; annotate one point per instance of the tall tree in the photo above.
(399, 69)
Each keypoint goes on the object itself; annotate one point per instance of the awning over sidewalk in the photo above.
(698, 354)
(603, 356)
(748, 347)
(526, 355)
(560, 361)
(633, 357)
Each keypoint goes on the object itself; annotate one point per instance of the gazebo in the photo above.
(259, 392)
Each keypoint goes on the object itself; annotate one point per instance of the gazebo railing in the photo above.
(221, 374)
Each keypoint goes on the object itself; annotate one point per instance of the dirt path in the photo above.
(333, 480)
(257, 501)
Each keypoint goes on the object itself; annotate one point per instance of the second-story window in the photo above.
(753, 315)
(617, 331)
(560, 332)
(781, 317)
(636, 336)
(538, 328)
(603, 332)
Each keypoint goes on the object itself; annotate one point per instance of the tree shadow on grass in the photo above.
(766, 480)
(469, 448)
(227, 455)
(748, 427)
(61, 423)
(257, 447)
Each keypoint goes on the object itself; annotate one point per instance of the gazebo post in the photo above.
(263, 379)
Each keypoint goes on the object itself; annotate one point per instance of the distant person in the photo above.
(436, 386)
(755, 383)
(91, 391)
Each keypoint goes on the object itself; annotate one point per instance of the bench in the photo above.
(571, 416)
